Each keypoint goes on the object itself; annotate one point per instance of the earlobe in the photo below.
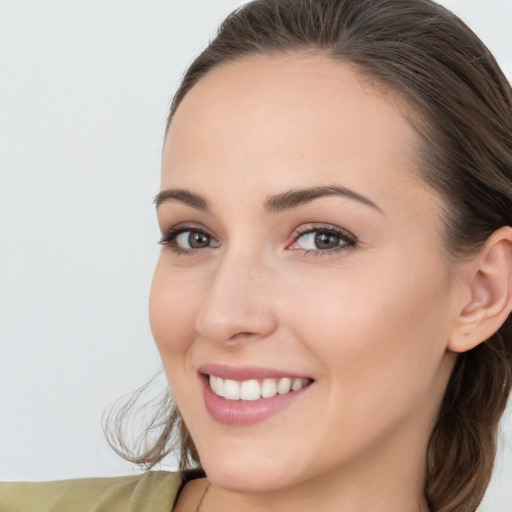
(490, 287)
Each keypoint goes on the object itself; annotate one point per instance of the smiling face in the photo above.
(300, 244)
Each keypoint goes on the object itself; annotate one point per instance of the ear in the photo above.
(489, 283)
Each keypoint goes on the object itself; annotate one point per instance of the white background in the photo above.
(84, 92)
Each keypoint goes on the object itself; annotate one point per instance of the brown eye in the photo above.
(193, 240)
(198, 240)
(326, 241)
(320, 240)
(186, 241)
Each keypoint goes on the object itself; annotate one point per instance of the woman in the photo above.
(331, 302)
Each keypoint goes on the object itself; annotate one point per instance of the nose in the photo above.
(238, 304)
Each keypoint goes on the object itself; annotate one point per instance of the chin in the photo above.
(248, 471)
(242, 478)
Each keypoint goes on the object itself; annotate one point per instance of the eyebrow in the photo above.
(294, 198)
(181, 196)
(274, 203)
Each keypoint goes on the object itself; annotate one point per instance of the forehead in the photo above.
(273, 120)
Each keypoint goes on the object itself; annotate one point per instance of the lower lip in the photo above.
(236, 412)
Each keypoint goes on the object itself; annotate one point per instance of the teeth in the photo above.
(297, 384)
(284, 386)
(231, 389)
(268, 388)
(217, 384)
(254, 389)
(250, 390)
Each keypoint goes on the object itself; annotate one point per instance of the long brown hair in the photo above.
(463, 114)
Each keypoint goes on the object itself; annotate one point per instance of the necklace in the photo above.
(202, 498)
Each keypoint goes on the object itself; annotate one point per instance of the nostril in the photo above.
(245, 334)
(230, 314)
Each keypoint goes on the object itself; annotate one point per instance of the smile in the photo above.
(253, 389)
(244, 395)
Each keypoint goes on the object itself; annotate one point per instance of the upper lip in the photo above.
(241, 373)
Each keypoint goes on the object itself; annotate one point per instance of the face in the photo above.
(300, 249)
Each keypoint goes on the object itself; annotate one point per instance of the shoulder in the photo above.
(154, 491)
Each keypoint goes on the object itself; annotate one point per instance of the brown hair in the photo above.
(463, 114)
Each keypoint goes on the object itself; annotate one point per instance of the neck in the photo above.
(392, 486)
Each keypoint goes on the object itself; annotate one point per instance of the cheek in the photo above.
(380, 349)
(173, 309)
(382, 329)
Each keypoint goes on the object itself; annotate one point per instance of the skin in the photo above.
(370, 322)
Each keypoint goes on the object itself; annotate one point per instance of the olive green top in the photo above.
(154, 491)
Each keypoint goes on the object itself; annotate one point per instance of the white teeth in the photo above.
(253, 389)
(217, 384)
(296, 384)
(268, 388)
(231, 389)
(284, 385)
(250, 390)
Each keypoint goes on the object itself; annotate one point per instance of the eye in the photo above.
(188, 240)
(192, 240)
(323, 239)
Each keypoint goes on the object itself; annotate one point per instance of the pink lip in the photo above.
(241, 373)
(234, 412)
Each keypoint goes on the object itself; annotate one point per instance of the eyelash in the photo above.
(347, 239)
(170, 239)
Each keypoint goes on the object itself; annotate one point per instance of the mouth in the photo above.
(255, 389)
(245, 395)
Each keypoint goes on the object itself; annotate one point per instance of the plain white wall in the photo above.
(84, 92)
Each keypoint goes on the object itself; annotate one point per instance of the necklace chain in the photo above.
(202, 497)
